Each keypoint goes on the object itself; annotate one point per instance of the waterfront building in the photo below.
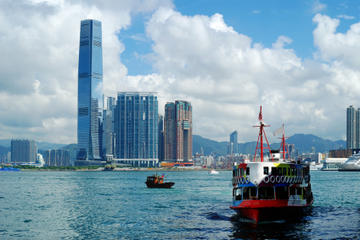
(170, 132)
(136, 129)
(90, 77)
(57, 158)
(352, 128)
(161, 138)
(23, 151)
(108, 139)
(233, 145)
(178, 131)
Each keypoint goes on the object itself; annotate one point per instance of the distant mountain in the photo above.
(40, 145)
(303, 143)
(69, 147)
(4, 150)
(208, 146)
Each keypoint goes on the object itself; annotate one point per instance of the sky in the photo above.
(298, 59)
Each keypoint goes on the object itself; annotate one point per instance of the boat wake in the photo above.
(216, 216)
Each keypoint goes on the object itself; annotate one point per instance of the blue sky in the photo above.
(298, 59)
(262, 20)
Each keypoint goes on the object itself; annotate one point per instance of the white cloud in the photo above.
(346, 17)
(318, 6)
(38, 64)
(227, 76)
(224, 74)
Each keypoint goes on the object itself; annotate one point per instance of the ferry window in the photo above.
(266, 193)
(280, 171)
(288, 171)
(273, 171)
(237, 193)
(246, 194)
(241, 172)
(247, 171)
(266, 170)
(253, 192)
(249, 192)
(299, 191)
(284, 171)
(282, 192)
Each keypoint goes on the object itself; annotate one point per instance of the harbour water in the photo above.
(117, 205)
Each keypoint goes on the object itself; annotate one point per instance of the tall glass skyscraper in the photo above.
(233, 146)
(136, 126)
(90, 76)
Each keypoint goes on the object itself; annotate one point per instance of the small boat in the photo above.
(157, 181)
(271, 188)
(213, 172)
(10, 169)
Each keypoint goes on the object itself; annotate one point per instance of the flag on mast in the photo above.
(279, 131)
(260, 114)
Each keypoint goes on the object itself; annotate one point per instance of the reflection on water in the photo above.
(316, 223)
(294, 228)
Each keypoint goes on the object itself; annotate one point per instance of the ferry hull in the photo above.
(159, 185)
(269, 210)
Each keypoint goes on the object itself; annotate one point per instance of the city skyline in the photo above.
(299, 77)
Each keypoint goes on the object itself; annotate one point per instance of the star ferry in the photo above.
(270, 187)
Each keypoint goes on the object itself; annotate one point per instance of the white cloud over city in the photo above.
(224, 73)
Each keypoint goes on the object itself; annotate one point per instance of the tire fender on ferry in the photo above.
(272, 179)
(247, 179)
(278, 179)
(266, 179)
(282, 178)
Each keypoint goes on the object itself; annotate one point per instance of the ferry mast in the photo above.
(261, 136)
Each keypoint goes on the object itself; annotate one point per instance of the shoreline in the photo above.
(101, 169)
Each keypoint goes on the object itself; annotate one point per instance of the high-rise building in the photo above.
(161, 138)
(108, 139)
(90, 77)
(170, 132)
(136, 128)
(357, 130)
(351, 128)
(57, 158)
(178, 131)
(23, 151)
(233, 145)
